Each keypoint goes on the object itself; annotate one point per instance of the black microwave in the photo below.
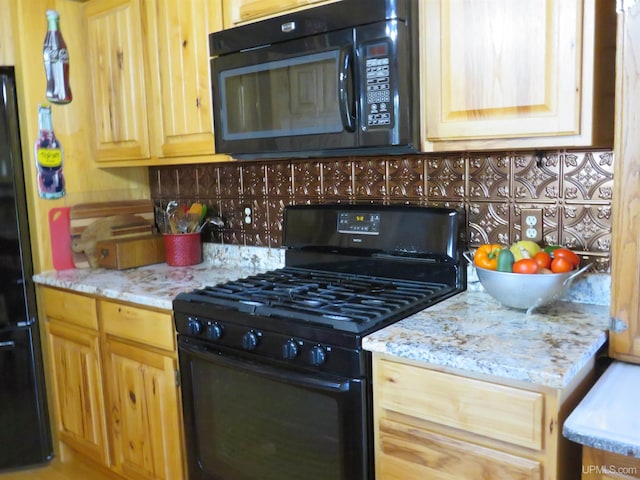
(333, 80)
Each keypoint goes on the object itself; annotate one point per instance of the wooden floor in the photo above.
(56, 471)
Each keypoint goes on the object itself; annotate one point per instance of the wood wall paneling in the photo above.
(71, 122)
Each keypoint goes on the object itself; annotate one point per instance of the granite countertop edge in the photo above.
(606, 418)
(464, 332)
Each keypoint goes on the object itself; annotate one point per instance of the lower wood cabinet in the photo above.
(143, 406)
(603, 465)
(433, 424)
(115, 375)
(78, 387)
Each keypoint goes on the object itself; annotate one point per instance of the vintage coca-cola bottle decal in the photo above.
(48, 157)
(56, 61)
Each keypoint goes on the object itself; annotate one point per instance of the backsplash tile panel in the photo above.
(406, 180)
(572, 188)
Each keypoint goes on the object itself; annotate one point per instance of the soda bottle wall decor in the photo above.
(49, 157)
(56, 61)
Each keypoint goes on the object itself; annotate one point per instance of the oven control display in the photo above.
(379, 112)
(358, 222)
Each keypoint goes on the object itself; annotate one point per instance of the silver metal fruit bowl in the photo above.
(526, 291)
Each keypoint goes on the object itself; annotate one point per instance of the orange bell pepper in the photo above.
(486, 256)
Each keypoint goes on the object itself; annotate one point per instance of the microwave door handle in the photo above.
(345, 81)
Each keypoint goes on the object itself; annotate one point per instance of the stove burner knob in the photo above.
(250, 340)
(290, 350)
(318, 355)
(194, 326)
(214, 331)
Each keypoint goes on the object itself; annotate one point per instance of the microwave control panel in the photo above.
(378, 106)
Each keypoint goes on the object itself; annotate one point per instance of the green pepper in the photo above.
(550, 248)
(505, 260)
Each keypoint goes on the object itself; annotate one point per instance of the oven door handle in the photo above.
(308, 380)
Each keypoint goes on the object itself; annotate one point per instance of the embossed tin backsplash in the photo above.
(573, 190)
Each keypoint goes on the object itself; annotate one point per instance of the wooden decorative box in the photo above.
(130, 252)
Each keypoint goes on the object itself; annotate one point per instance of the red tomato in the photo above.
(543, 259)
(561, 265)
(567, 254)
(525, 265)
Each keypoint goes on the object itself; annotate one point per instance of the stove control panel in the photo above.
(365, 223)
(264, 343)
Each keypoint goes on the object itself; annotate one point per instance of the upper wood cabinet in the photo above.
(149, 63)
(624, 336)
(117, 65)
(6, 34)
(244, 11)
(501, 74)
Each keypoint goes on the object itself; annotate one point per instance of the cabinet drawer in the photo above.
(408, 453)
(71, 307)
(495, 411)
(138, 324)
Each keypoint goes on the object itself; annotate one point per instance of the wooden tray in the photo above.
(126, 218)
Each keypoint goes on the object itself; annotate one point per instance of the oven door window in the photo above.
(251, 422)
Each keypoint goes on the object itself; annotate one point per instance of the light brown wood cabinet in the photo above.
(6, 35)
(75, 355)
(149, 63)
(115, 370)
(434, 424)
(601, 465)
(141, 368)
(245, 11)
(527, 74)
(624, 335)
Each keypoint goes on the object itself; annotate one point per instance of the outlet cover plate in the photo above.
(531, 224)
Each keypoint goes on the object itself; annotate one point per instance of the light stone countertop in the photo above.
(607, 417)
(469, 331)
(157, 285)
(472, 332)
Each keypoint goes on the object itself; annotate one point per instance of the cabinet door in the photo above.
(181, 110)
(241, 11)
(143, 401)
(509, 74)
(117, 66)
(6, 39)
(77, 379)
(624, 338)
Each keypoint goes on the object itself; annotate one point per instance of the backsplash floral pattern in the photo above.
(572, 189)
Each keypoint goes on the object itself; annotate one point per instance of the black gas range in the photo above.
(349, 271)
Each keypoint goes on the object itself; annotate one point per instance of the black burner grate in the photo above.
(344, 301)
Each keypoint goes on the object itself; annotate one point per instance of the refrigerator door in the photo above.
(24, 422)
(23, 431)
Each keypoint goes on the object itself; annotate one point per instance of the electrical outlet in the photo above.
(531, 224)
(247, 215)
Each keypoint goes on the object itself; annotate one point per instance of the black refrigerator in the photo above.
(24, 423)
